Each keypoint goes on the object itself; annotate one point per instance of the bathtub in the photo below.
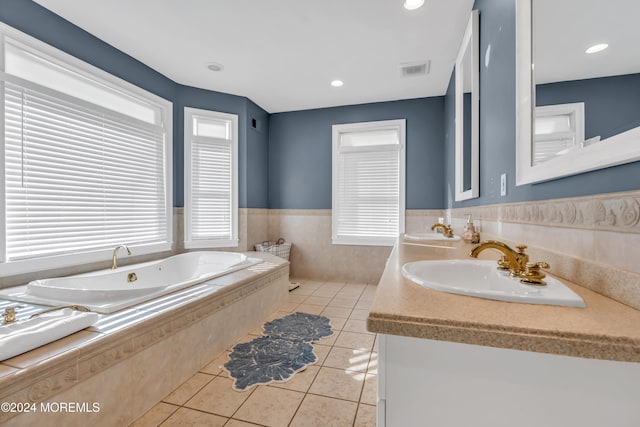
(141, 354)
(106, 291)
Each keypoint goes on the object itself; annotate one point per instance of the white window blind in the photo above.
(368, 182)
(557, 130)
(211, 190)
(80, 178)
(77, 180)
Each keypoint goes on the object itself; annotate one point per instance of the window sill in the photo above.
(71, 260)
(364, 241)
(208, 244)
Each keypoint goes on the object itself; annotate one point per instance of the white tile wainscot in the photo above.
(314, 256)
(439, 383)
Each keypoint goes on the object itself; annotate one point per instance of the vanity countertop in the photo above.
(605, 329)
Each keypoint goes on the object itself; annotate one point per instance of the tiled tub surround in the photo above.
(130, 360)
(592, 241)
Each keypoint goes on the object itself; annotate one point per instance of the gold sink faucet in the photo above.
(114, 263)
(446, 229)
(517, 262)
(511, 260)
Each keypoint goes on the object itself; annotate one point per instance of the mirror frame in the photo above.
(616, 150)
(469, 41)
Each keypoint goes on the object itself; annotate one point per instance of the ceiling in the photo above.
(283, 54)
(563, 30)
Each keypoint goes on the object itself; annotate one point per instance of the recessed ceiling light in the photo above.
(214, 66)
(597, 48)
(413, 4)
(337, 83)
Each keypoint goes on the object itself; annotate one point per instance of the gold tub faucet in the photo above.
(114, 263)
(446, 229)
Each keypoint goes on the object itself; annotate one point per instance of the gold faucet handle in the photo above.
(532, 274)
(9, 315)
(448, 231)
(504, 264)
(521, 248)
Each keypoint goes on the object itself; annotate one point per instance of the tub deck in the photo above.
(160, 342)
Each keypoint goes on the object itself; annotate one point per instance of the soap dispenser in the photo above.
(470, 235)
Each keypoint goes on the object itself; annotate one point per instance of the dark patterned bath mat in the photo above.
(284, 349)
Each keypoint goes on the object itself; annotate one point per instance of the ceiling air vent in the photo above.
(411, 69)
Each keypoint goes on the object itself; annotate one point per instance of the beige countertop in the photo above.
(605, 329)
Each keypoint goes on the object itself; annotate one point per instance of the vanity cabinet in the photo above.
(423, 382)
(447, 360)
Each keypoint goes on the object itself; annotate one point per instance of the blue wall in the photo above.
(33, 19)
(257, 160)
(252, 143)
(497, 125)
(300, 152)
(611, 104)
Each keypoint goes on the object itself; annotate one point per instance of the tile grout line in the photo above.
(198, 391)
(307, 392)
(267, 385)
(167, 417)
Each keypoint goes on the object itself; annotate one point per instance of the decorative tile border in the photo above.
(611, 212)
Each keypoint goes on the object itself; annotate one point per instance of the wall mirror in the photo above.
(577, 86)
(467, 113)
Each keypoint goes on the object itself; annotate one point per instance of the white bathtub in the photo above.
(106, 291)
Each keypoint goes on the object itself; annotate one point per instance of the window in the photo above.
(368, 182)
(87, 161)
(211, 179)
(558, 129)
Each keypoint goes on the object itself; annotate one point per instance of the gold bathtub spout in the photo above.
(446, 229)
(114, 263)
(516, 262)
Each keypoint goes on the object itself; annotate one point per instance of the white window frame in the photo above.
(189, 241)
(337, 130)
(165, 119)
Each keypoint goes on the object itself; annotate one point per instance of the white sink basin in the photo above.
(431, 236)
(478, 278)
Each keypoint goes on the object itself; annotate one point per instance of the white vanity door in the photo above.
(436, 383)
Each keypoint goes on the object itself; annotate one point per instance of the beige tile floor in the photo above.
(338, 390)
